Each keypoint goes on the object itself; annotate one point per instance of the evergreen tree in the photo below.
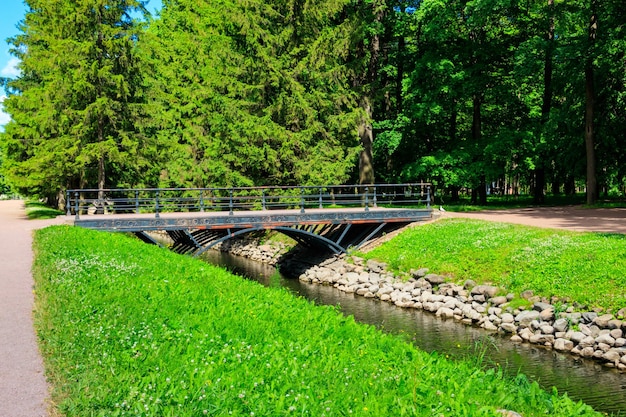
(76, 105)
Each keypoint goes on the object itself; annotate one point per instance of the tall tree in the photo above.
(76, 105)
(254, 92)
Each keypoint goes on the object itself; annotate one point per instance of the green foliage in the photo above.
(128, 329)
(76, 107)
(517, 258)
(252, 94)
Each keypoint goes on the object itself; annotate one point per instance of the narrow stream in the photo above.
(601, 387)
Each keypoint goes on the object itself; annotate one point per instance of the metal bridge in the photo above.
(335, 218)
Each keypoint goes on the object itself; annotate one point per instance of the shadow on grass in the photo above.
(36, 210)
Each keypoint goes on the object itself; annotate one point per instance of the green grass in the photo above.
(37, 210)
(589, 268)
(133, 330)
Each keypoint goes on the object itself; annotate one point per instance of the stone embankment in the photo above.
(557, 326)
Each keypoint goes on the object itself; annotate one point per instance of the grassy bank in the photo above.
(132, 330)
(589, 268)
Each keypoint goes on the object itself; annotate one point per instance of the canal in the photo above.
(602, 388)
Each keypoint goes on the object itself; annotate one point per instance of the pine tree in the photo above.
(76, 106)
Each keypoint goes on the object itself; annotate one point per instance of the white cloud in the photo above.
(4, 118)
(11, 70)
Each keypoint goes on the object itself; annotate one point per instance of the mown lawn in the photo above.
(589, 268)
(128, 329)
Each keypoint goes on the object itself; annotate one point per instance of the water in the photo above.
(602, 388)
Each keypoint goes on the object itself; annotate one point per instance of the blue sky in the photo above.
(12, 13)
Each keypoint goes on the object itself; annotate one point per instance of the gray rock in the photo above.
(525, 317)
(527, 294)
(588, 317)
(419, 273)
(488, 325)
(547, 329)
(588, 341)
(615, 324)
(445, 312)
(434, 279)
(497, 301)
(603, 320)
(508, 318)
(547, 314)
(561, 325)
(587, 352)
(515, 338)
(468, 284)
(508, 327)
(620, 342)
(479, 298)
(606, 339)
(616, 333)
(539, 306)
(563, 345)
(375, 266)
(576, 337)
(487, 290)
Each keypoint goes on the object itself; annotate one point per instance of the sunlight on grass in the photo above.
(133, 330)
(517, 258)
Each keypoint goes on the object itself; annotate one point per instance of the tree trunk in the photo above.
(546, 105)
(592, 185)
(101, 163)
(366, 136)
(476, 136)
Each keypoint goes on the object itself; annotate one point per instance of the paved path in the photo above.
(23, 388)
(574, 218)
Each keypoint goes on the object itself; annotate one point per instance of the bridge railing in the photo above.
(165, 200)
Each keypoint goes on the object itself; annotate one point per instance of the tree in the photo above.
(253, 93)
(77, 106)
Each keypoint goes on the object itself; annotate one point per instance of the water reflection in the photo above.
(600, 387)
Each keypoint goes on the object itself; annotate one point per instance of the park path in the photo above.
(576, 218)
(23, 387)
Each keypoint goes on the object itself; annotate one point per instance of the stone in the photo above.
(587, 352)
(540, 306)
(419, 273)
(508, 327)
(615, 324)
(603, 347)
(547, 329)
(588, 341)
(507, 318)
(434, 279)
(445, 312)
(488, 325)
(588, 317)
(576, 337)
(547, 314)
(498, 301)
(385, 297)
(487, 290)
(563, 345)
(479, 298)
(616, 333)
(603, 320)
(515, 338)
(525, 317)
(620, 342)
(375, 266)
(561, 325)
(527, 294)
(605, 338)
(584, 329)
(468, 284)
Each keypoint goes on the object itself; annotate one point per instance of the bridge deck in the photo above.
(266, 219)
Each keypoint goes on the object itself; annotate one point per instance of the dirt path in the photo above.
(23, 388)
(574, 218)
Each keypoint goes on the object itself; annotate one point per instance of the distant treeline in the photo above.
(487, 95)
